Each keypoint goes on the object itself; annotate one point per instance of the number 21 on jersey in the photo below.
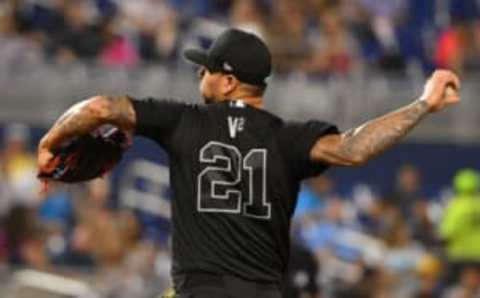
(227, 172)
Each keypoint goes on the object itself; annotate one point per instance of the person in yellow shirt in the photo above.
(460, 226)
(20, 166)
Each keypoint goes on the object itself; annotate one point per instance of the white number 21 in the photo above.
(220, 184)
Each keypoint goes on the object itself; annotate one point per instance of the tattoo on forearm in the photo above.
(84, 117)
(377, 135)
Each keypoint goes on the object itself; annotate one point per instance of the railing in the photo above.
(39, 93)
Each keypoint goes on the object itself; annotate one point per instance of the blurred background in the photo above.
(406, 225)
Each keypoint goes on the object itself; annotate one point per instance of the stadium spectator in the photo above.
(401, 257)
(458, 46)
(334, 50)
(118, 50)
(26, 238)
(248, 15)
(422, 225)
(407, 190)
(288, 40)
(16, 47)
(376, 218)
(156, 27)
(408, 198)
(416, 32)
(370, 213)
(79, 26)
(20, 166)
(468, 286)
(460, 223)
(383, 17)
(321, 236)
(463, 9)
(314, 195)
(57, 206)
(372, 282)
(5, 196)
(429, 273)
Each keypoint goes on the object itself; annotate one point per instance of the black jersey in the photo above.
(235, 173)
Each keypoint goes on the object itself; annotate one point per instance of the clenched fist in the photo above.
(441, 90)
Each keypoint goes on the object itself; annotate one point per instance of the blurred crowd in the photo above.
(394, 244)
(366, 244)
(370, 244)
(317, 37)
(74, 231)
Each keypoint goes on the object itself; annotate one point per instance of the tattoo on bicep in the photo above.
(377, 135)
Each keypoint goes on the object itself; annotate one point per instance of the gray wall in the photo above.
(39, 93)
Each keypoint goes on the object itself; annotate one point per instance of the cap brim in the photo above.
(196, 56)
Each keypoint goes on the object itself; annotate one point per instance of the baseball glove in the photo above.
(87, 157)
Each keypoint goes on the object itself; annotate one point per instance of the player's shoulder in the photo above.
(294, 131)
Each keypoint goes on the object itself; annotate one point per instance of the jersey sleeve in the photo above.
(301, 137)
(157, 119)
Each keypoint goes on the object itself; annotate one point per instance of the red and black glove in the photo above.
(87, 157)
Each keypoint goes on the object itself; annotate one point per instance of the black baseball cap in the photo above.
(237, 52)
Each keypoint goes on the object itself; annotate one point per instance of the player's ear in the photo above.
(230, 84)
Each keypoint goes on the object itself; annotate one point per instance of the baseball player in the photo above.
(236, 168)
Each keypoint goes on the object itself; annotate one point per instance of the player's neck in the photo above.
(254, 101)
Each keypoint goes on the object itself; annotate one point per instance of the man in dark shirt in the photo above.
(235, 168)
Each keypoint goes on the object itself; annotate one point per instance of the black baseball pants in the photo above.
(203, 285)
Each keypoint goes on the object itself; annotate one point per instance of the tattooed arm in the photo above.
(357, 146)
(84, 117)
